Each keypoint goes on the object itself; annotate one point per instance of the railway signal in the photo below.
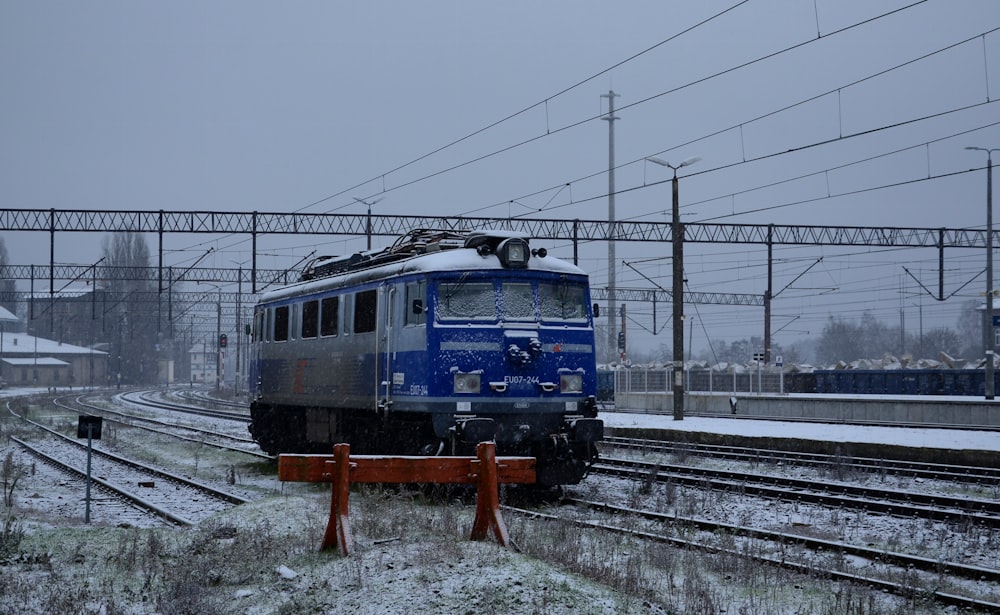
(89, 427)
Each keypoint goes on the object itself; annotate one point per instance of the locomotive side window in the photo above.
(364, 311)
(518, 301)
(310, 319)
(464, 301)
(416, 303)
(348, 308)
(562, 302)
(281, 324)
(328, 315)
(258, 326)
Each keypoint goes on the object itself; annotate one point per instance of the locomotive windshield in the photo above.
(516, 300)
(562, 302)
(467, 301)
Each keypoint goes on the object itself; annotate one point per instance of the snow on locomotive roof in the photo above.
(459, 259)
(498, 233)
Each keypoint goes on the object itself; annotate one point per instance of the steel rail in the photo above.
(808, 570)
(885, 501)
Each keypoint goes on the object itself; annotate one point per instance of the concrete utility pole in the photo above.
(218, 342)
(677, 290)
(988, 335)
(610, 118)
(368, 217)
(623, 341)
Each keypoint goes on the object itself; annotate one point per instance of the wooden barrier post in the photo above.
(488, 497)
(486, 470)
(338, 528)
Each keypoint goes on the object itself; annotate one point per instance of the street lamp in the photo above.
(677, 239)
(368, 224)
(988, 339)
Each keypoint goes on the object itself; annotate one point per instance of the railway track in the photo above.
(804, 555)
(796, 549)
(941, 580)
(174, 498)
(150, 399)
(936, 507)
(203, 396)
(836, 463)
(199, 435)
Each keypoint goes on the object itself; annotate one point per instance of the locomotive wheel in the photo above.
(278, 430)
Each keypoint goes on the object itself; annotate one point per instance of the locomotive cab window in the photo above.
(365, 304)
(310, 319)
(348, 310)
(258, 327)
(518, 301)
(466, 301)
(330, 307)
(416, 303)
(562, 302)
(281, 318)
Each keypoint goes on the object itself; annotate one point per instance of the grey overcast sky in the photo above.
(832, 112)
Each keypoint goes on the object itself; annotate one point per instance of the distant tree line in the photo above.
(115, 317)
(870, 338)
(134, 343)
(8, 298)
(848, 340)
(137, 339)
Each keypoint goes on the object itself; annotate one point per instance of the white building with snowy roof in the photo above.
(204, 363)
(27, 360)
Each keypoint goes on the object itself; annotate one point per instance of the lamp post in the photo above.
(988, 338)
(677, 290)
(368, 220)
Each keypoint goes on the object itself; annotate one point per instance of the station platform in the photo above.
(939, 445)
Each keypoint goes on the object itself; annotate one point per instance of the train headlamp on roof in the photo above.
(511, 248)
(514, 253)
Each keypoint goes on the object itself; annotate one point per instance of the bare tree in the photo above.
(130, 299)
(841, 340)
(970, 329)
(8, 297)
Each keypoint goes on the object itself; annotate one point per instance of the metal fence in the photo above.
(658, 380)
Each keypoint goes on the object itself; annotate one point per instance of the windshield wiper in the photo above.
(457, 287)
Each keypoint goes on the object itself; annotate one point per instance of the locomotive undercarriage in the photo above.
(296, 429)
(565, 447)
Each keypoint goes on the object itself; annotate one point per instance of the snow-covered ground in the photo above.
(261, 558)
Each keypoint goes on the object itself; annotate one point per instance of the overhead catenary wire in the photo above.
(569, 184)
(588, 119)
(544, 102)
(839, 138)
(549, 132)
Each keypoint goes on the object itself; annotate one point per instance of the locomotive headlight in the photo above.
(570, 383)
(514, 253)
(465, 383)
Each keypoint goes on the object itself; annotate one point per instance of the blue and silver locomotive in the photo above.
(437, 343)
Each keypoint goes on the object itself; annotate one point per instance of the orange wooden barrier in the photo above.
(486, 470)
